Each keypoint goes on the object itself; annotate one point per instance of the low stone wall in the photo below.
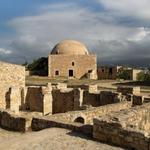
(128, 90)
(101, 98)
(128, 128)
(39, 124)
(88, 115)
(12, 122)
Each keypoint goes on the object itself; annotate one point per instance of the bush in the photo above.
(143, 76)
(123, 74)
(39, 66)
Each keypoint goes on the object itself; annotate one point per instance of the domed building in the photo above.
(71, 59)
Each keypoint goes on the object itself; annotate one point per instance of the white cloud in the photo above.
(139, 35)
(37, 34)
(135, 8)
(5, 51)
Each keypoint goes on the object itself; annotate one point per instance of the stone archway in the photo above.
(80, 120)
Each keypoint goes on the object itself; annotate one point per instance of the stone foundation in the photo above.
(128, 128)
(10, 121)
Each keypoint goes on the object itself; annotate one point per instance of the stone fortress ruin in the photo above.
(120, 117)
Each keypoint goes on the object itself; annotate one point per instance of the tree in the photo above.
(123, 74)
(39, 66)
(143, 76)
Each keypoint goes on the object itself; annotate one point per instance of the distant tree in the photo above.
(143, 76)
(39, 66)
(123, 74)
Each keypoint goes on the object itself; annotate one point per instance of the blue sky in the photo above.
(118, 31)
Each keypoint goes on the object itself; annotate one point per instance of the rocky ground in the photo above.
(49, 139)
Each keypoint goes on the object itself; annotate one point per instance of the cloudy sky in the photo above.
(118, 31)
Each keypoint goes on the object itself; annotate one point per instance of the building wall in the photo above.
(10, 75)
(135, 74)
(107, 73)
(82, 65)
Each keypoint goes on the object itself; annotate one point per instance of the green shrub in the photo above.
(123, 74)
(143, 76)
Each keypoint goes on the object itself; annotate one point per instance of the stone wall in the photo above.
(63, 100)
(34, 99)
(90, 113)
(105, 72)
(100, 98)
(128, 90)
(10, 121)
(80, 64)
(128, 128)
(39, 99)
(41, 123)
(10, 76)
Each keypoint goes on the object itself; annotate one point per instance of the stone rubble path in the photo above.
(49, 139)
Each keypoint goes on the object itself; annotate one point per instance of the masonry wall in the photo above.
(99, 98)
(10, 75)
(63, 101)
(128, 128)
(107, 73)
(80, 64)
(91, 113)
(34, 99)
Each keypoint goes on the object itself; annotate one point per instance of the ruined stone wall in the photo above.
(128, 90)
(63, 100)
(39, 99)
(90, 113)
(107, 73)
(128, 128)
(34, 99)
(80, 64)
(10, 76)
(11, 121)
(99, 98)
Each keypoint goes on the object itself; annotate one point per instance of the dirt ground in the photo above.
(50, 139)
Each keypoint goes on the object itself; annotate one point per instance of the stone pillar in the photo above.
(92, 88)
(78, 98)
(15, 99)
(61, 86)
(47, 99)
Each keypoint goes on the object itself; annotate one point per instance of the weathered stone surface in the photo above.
(137, 100)
(128, 128)
(12, 122)
(10, 75)
(82, 65)
(90, 113)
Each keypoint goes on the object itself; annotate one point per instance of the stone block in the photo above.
(137, 100)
